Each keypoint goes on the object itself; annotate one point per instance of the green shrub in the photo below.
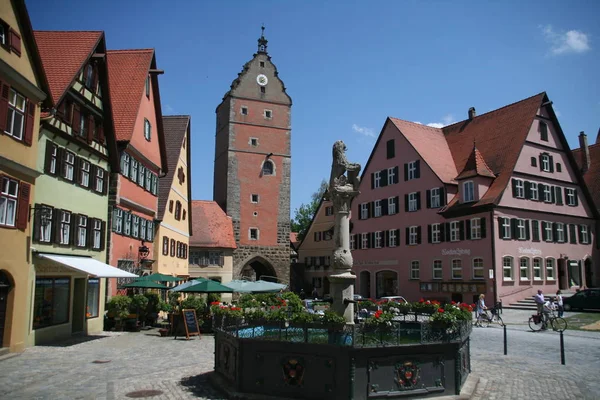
(174, 299)
(304, 317)
(119, 306)
(164, 306)
(153, 302)
(212, 297)
(331, 317)
(194, 302)
(293, 301)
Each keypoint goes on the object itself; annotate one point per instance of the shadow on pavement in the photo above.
(72, 341)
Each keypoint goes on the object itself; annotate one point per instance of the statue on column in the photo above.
(343, 187)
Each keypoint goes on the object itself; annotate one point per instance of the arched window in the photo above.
(524, 268)
(550, 271)
(537, 268)
(507, 268)
(267, 168)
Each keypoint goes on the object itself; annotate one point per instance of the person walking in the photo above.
(302, 294)
(559, 303)
(539, 302)
(479, 309)
(315, 293)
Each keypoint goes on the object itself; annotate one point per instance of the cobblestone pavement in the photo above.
(177, 368)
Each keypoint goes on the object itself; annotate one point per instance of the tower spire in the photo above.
(262, 42)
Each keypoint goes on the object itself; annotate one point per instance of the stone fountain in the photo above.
(343, 187)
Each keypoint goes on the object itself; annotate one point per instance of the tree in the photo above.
(304, 215)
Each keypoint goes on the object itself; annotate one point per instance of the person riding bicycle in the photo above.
(480, 309)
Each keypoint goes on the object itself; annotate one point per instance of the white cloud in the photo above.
(436, 125)
(565, 42)
(368, 132)
(446, 120)
(169, 109)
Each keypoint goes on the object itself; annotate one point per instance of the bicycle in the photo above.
(489, 316)
(538, 322)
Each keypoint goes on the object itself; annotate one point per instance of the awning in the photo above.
(89, 266)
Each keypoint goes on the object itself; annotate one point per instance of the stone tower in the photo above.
(252, 168)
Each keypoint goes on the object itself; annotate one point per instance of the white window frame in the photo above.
(533, 187)
(53, 159)
(412, 202)
(126, 160)
(437, 269)
(457, 268)
(468, 192)
(46, 230)
(364, 211)
(69, 166)
(434, 198)
(585, 237)
(352, 241)
(10, 195)
(436, 233)
(378, 239)
(520, 188)
(244, 110)
(475, 228)
(393, 240)
(135, 226)
(508, 264)
(377, 179)
(560, 232)
(415, 269)
(364, 240)
(150, 231)
(454, 231)
(521, 231)
(252, 198)
(548, 234)
(524, 271)
(377, 208)
(391, 205)
(143, 223)
(390, 176)
(548, 194)
(412, 235)
(82, 231)
(506, 228)
(570, 197)
(65, 227)
(85, 173)
(16, 106)
(545, 163)
(118, 220)
(97, 232)
(134, 170)
(127, 224)
(537, 269)
(550, 268)
(477, 264)
(99, 180)
(412, 170)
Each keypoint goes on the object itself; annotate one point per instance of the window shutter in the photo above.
(359, 209)
(100, 132)
(76, 120)
(15, 42)
(513, 227)
(527, 190)
(418, 169)
(76, 170)
(419, 234)
(540, 192)
(23, 206)
(73, 233)
(566, 233)
(533, 162)
(89, 240)
(429, 234)
(396, 177)
(384, 207)
(540, 161)
(535, 228)
(443, 198)
(4, 92)
(407, 234)
(575, 197)
(90, 128)
(56, 219)
(552, 194)
(406, 203)
(527, 230)
(398, 237)
(483, 227)
(579, 234)
(105, 183)
(558, 195)
(372, 240)
(418, 200)
(37, 222)
(554, 232)
(551, 163)
(461, 230)
(405, 172)
(48, 158)
(371, 209)
(102, 235)
(93, 169)
(372, 180)
(447, 229)
(428, 198)
(501, 227)
(442, 232)
(397, 204)
(589, 228)
(572, 233)
(514, 187)
(386, 240)
(29, 122)
(384, 177)
(468, 228)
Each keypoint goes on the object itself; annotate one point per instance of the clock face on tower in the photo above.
(262, 80)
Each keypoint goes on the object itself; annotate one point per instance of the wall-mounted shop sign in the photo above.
(532, 251)
(456, 252)
(362, 263)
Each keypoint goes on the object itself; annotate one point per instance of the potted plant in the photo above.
(118, 308)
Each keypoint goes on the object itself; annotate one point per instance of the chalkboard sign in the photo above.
(190, 322)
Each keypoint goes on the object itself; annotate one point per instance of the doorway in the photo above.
(4, 290)
(365, 284)
(589, 275)
(562, 274)
(79, 303)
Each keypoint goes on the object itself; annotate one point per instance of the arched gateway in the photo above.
(258, 268)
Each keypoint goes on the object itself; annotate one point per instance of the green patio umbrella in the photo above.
(206, 286)
(145, 284)
(156, 277)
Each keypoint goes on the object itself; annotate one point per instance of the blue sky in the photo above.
(348, 65)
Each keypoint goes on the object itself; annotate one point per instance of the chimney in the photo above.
(472, 113)
(585, 152)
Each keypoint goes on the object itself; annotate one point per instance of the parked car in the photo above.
(587, 298)
(315, 306)
(357, 297)
(397, 299)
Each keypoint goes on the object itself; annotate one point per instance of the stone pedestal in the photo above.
(342, 287)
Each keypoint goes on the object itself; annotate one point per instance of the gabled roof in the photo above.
(475, 166)
(212, 227)
(175, 128)
(63, 54)
(127, 72)
(28, 37)
(294, 240)
(592, 176)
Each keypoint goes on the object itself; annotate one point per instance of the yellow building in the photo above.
(23, 88)
(174, 214)
(314, 252)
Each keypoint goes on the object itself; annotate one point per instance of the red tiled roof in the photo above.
(211, 226)
(475, 166)
(127, 72)
(592, 176)
(500, 135)
(63, 54)
(431, 145)
(293, 237)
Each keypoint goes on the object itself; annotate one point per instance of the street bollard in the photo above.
(562, 349)
(505, 342)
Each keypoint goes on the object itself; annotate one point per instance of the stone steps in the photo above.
(528, 303)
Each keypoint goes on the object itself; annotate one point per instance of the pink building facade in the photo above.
(493, 204)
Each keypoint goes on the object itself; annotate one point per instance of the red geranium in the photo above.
(440, 310)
